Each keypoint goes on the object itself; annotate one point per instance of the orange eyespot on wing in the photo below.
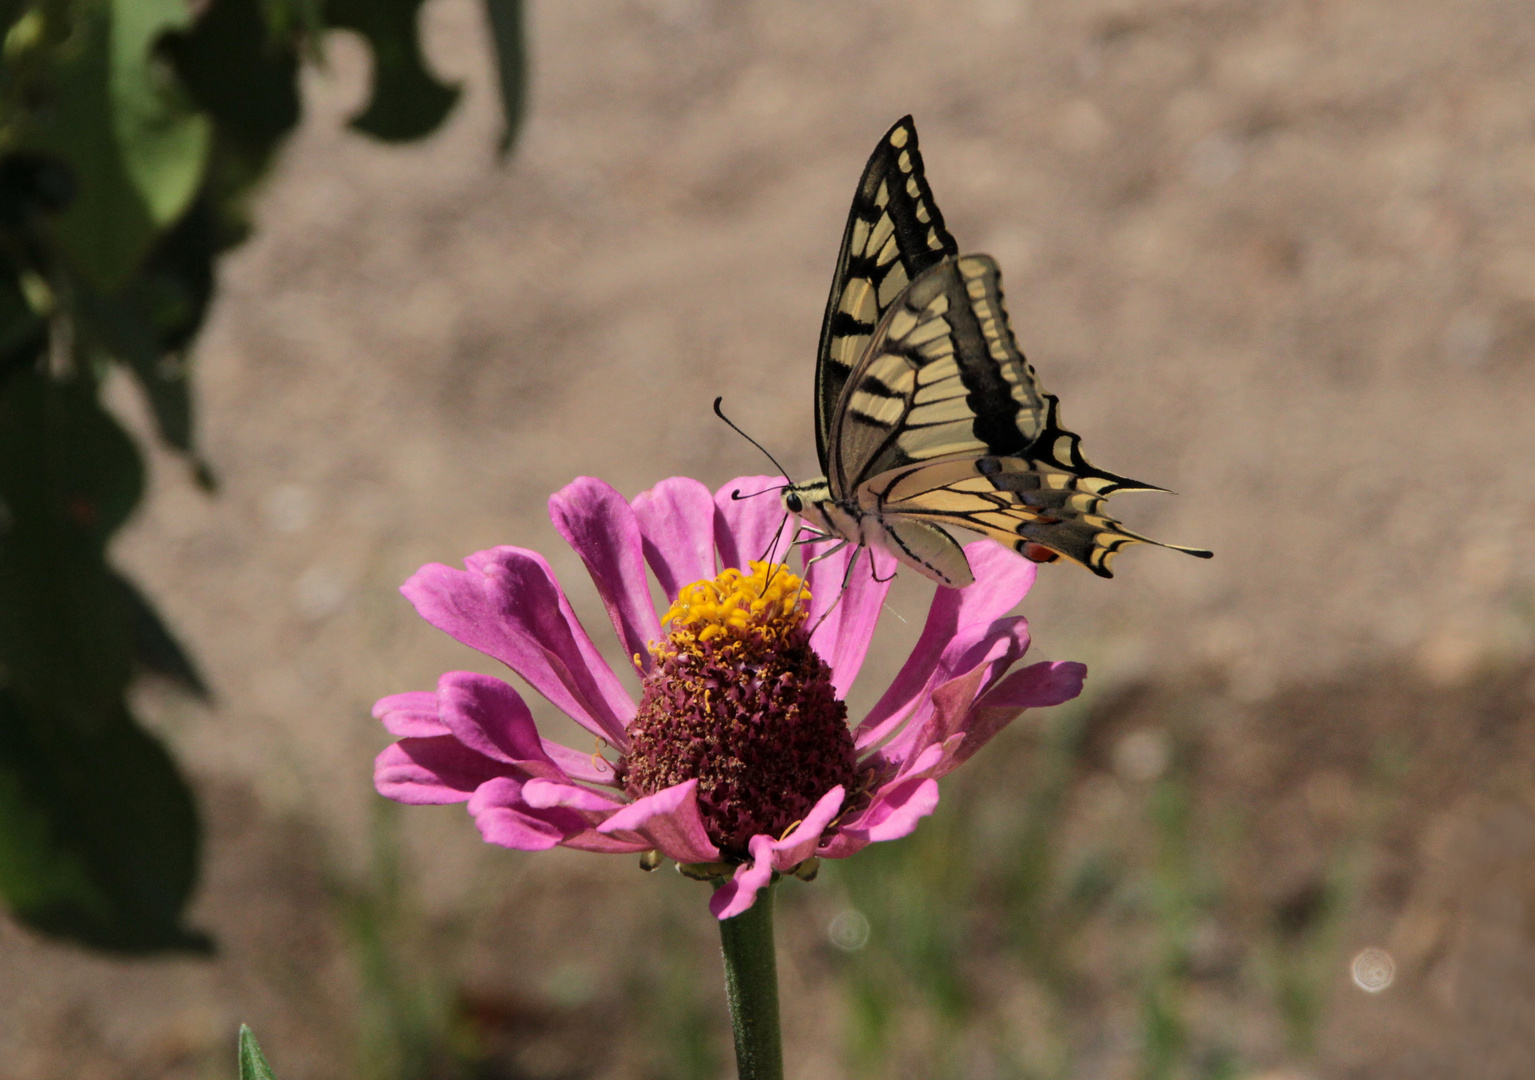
(1038, 552)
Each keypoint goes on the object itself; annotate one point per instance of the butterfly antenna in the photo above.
(720, 413)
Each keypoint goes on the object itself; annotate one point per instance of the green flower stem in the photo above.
(751, 985)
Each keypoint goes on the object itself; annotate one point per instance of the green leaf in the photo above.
(408, 102)
(302, 19)
(161, 136)
(506, 33)
(98, 831)
(149, 323)
(107, 228)
(10, 11)
(23, 335)
(36, 872)
(155, 647)
(253, 1065)
(69, 477)
(239, 61)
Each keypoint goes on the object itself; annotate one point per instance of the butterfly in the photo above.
(927, 414)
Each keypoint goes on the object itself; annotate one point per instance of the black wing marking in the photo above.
(894, 232)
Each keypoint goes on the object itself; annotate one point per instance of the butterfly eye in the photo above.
(792, 501)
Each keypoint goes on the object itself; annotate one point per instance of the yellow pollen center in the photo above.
(768, 602)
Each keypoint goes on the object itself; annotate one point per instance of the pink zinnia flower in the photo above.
(738, 761)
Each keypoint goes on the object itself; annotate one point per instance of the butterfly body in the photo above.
(927, 413)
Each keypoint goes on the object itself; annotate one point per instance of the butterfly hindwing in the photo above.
(894, 232)
(927, 549)
(1011, 500)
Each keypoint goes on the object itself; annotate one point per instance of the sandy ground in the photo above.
(1278, 256)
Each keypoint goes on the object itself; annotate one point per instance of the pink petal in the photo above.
(1002, 579)
(950, 705)
(677, 520)
(1037, 686)
(740, 892)
(844, 619)
(431, 771)
(897, 809)
(842, 845)
(932, 758)
(412, 714)
(1000, 643)
(980, 654)
(505, 819)
(545, 794)
(511, 828)
(893, 813)
(801, 841)
(508, 605)
(599, 524)
(670, 821)
(506, 816)
(590, 768)
(1000, 571)
(487, 715)
(594, 841)
(755, 528)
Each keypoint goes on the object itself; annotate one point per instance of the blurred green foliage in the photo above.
(981, 878)
(986, 927)
(133, 135)
(409, 1021)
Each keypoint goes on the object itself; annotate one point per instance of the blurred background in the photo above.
(1277, 256)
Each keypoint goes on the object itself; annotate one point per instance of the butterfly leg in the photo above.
(828, 553)
(847, 577)
(814, 534)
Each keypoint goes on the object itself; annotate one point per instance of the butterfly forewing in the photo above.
(940, 377)
(945, 422)
(943, 376)
(894, 232)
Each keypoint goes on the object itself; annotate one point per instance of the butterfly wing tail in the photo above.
(1091, 540)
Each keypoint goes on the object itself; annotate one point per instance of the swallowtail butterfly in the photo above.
(927, 414)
